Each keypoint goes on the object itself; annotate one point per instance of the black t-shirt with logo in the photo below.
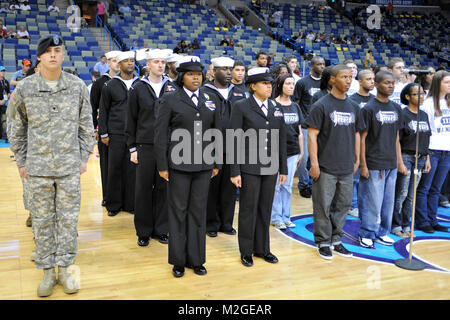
(408, 132)
(293, 117)
(360, 100)
(383, 121)
(338, 121)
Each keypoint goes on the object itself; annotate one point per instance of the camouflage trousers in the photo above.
(54, 205)
(26, 197)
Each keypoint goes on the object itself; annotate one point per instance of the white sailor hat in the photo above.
(226, 62)
(156, 54)
(112, 54)
(258, 74)
(189, 63)
(173, 57)
(141, 54)
(125, 55)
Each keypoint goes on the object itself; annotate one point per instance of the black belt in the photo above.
(413, 153)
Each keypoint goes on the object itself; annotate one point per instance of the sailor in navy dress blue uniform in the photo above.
(222, 193)
(264, 133)
(111, 128)
(150, 217)
(183, 117)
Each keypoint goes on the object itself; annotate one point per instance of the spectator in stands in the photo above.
(390, 10)
(436, 105)
(224, 42)
(276, 18)
(310, 35)
(140, 9)
(14, 7)
(101, 8)
(11, 33)
(53, 7)
(181, 47)
(4, 96)
(195, 45)
(292, 63)
(135, 46)
(368, 59)
(4, 9)
(25, 6)
(84, 23)
(102, 66)
(124, 8)
(22, 73)
(261, 59)
(113, 9)
(3, 32)
(72, 25)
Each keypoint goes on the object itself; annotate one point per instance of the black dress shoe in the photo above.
(438, 227)
(247, 261)
(103, 203)
(162, 238)
(178, 271)
(200, 270)
(113, 213)
(427, 229)
(305, 193)
(143, 241)
(267, 257)
(231, 232)
(212, 234)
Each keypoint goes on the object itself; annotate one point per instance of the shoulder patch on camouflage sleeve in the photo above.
(13, 98)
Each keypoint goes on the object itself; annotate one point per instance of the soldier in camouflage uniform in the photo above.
(51, 136)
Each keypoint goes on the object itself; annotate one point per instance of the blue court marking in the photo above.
(303, 232)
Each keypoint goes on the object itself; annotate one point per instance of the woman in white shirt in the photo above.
(436, 105)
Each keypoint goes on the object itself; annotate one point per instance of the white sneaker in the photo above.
(289, 224)
(366, 243)
(280, 226)
(353, 212)
(385, 240)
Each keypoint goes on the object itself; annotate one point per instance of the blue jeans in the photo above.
(304, 180)
(404, 191)
(376, 203)
(355, 190)
(429, 188)
(281, 208)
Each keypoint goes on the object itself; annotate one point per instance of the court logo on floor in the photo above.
(303, 232)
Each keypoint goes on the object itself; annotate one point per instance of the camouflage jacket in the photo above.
(51, 130)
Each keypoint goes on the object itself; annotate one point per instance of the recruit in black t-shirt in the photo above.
(305, 88)
(360, 100)
(383, 121)
(293, 117)
(409, 129)
(338, 121)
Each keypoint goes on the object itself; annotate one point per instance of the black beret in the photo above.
(50, 40)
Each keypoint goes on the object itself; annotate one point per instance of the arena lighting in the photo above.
(409, 263)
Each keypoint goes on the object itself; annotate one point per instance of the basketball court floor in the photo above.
(110, 265)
